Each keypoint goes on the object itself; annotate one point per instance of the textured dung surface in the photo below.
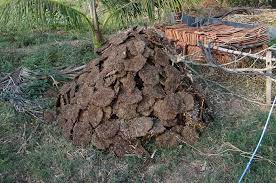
(129, 95)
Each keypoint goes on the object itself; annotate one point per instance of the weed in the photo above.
(272, 42)
(47, 156)
(45, 57)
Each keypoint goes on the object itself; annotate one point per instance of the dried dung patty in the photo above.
(130, 94)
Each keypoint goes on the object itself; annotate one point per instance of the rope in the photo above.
(259, 143)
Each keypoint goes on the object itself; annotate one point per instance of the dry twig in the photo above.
(229, 148)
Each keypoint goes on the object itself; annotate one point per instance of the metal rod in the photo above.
(238, 52)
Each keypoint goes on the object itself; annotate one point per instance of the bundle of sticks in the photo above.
(217, 34)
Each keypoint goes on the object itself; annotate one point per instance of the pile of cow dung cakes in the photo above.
(129, 95)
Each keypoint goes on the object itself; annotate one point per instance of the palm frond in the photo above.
(121, 12)
(41, 12)
(14, 87)
(124, 12)
(11, 91)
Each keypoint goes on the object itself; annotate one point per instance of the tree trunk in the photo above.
(97, 34)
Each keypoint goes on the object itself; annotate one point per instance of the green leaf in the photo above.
(125, 12)
(38, 13)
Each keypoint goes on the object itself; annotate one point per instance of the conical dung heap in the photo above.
(129, 95)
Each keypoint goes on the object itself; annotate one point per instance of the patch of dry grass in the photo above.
(220, 155)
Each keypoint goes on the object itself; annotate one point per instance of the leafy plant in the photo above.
(249, 3)
(44, 13)
(124, 12)
(38, 14)
(41, 13)
(272, 42)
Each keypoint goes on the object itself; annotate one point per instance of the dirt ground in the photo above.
(258, 16)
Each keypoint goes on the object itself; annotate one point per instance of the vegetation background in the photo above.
(45, 34)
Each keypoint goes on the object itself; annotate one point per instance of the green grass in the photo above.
(28, 39)
(47, 51)
(272, 42)
(47, 156)
(47, 57)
